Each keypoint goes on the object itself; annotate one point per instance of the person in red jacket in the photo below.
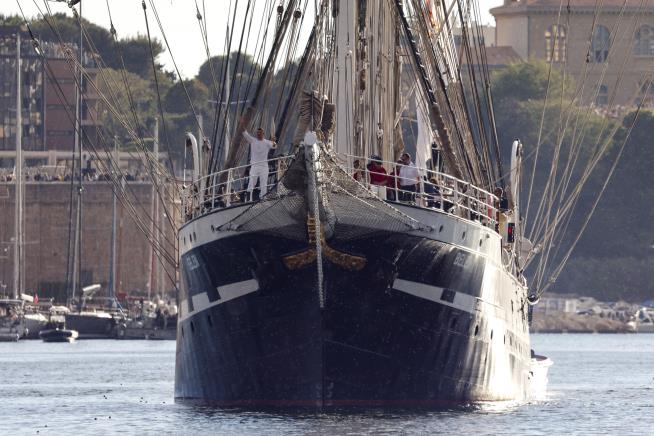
(376, 172)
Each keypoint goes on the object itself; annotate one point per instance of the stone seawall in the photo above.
(47, 211)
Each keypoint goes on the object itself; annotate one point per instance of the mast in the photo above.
(435, 114)
(246, 118)
(344, 77)
(228, 132)
(152, 268)
(112, 263)
(18, 207)
(378, 57)
(78, 143)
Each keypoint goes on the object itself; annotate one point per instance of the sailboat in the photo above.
(334, 289)
(12, 316)
(88, 323)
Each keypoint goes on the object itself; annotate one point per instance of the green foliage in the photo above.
(524, 81)
(178, 124)
(63, 28)
(615, 254)
(112, 84)
(244, 66)
(136, 55)
(610, 278)
(11, 20)
(177, 97)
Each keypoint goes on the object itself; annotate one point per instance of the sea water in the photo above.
(599, 384)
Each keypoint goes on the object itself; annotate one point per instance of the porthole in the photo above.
(440, 229)
(453, 323)
(476, 329)
(213, 229)
(504, 339)
(463, 235)
(209, 320)
(185, 239)
(195, 238)
(481, 241)
(182, 331)
(192, 327)
(491, 334)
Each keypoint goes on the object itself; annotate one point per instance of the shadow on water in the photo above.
(347, 420)
(398, 413)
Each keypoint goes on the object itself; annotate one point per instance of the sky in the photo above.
(178, 20)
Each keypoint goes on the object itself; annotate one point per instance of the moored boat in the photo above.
(58, 335)
(93, 324)
(12, 320)
(34, 323)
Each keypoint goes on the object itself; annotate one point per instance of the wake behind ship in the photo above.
(343, 285)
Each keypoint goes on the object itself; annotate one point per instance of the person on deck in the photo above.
(259, 148)
(409, 179)
(393, 183)
(377, 172)
(433, 192)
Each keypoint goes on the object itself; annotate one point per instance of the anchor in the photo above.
(346, 261)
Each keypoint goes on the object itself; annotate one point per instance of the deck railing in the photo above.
(228, 187)
(432, 190)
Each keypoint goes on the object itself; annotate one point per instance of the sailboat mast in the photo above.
(112, 264)
(343, 88)
(152, 260)
(18, 207)
(78, 143)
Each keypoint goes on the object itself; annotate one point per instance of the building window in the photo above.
(644, 41)
(555, 43)
(602, 96)
(601, 44)
(60, 132)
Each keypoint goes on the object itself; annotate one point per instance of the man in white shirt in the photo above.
(409, 178)
(259, 148)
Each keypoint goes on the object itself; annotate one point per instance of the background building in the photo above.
(48, 100)
(497, 57)
(618, 59)
(48, 89)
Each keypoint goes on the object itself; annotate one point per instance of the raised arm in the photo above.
(249, 138)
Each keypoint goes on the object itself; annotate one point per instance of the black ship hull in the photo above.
(410, 329)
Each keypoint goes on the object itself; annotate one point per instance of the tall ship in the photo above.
(363, 267)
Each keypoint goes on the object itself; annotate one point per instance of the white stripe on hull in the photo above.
(226, 293)
(461, 301)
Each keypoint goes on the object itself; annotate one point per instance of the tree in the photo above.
(117, 90)
(177, 99)
(607, 249)
(136, 53)
(243, 70)
(62, 28)
(524, 81)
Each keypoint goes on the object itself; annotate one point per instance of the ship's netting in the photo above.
(347, 208)
(282, 211)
